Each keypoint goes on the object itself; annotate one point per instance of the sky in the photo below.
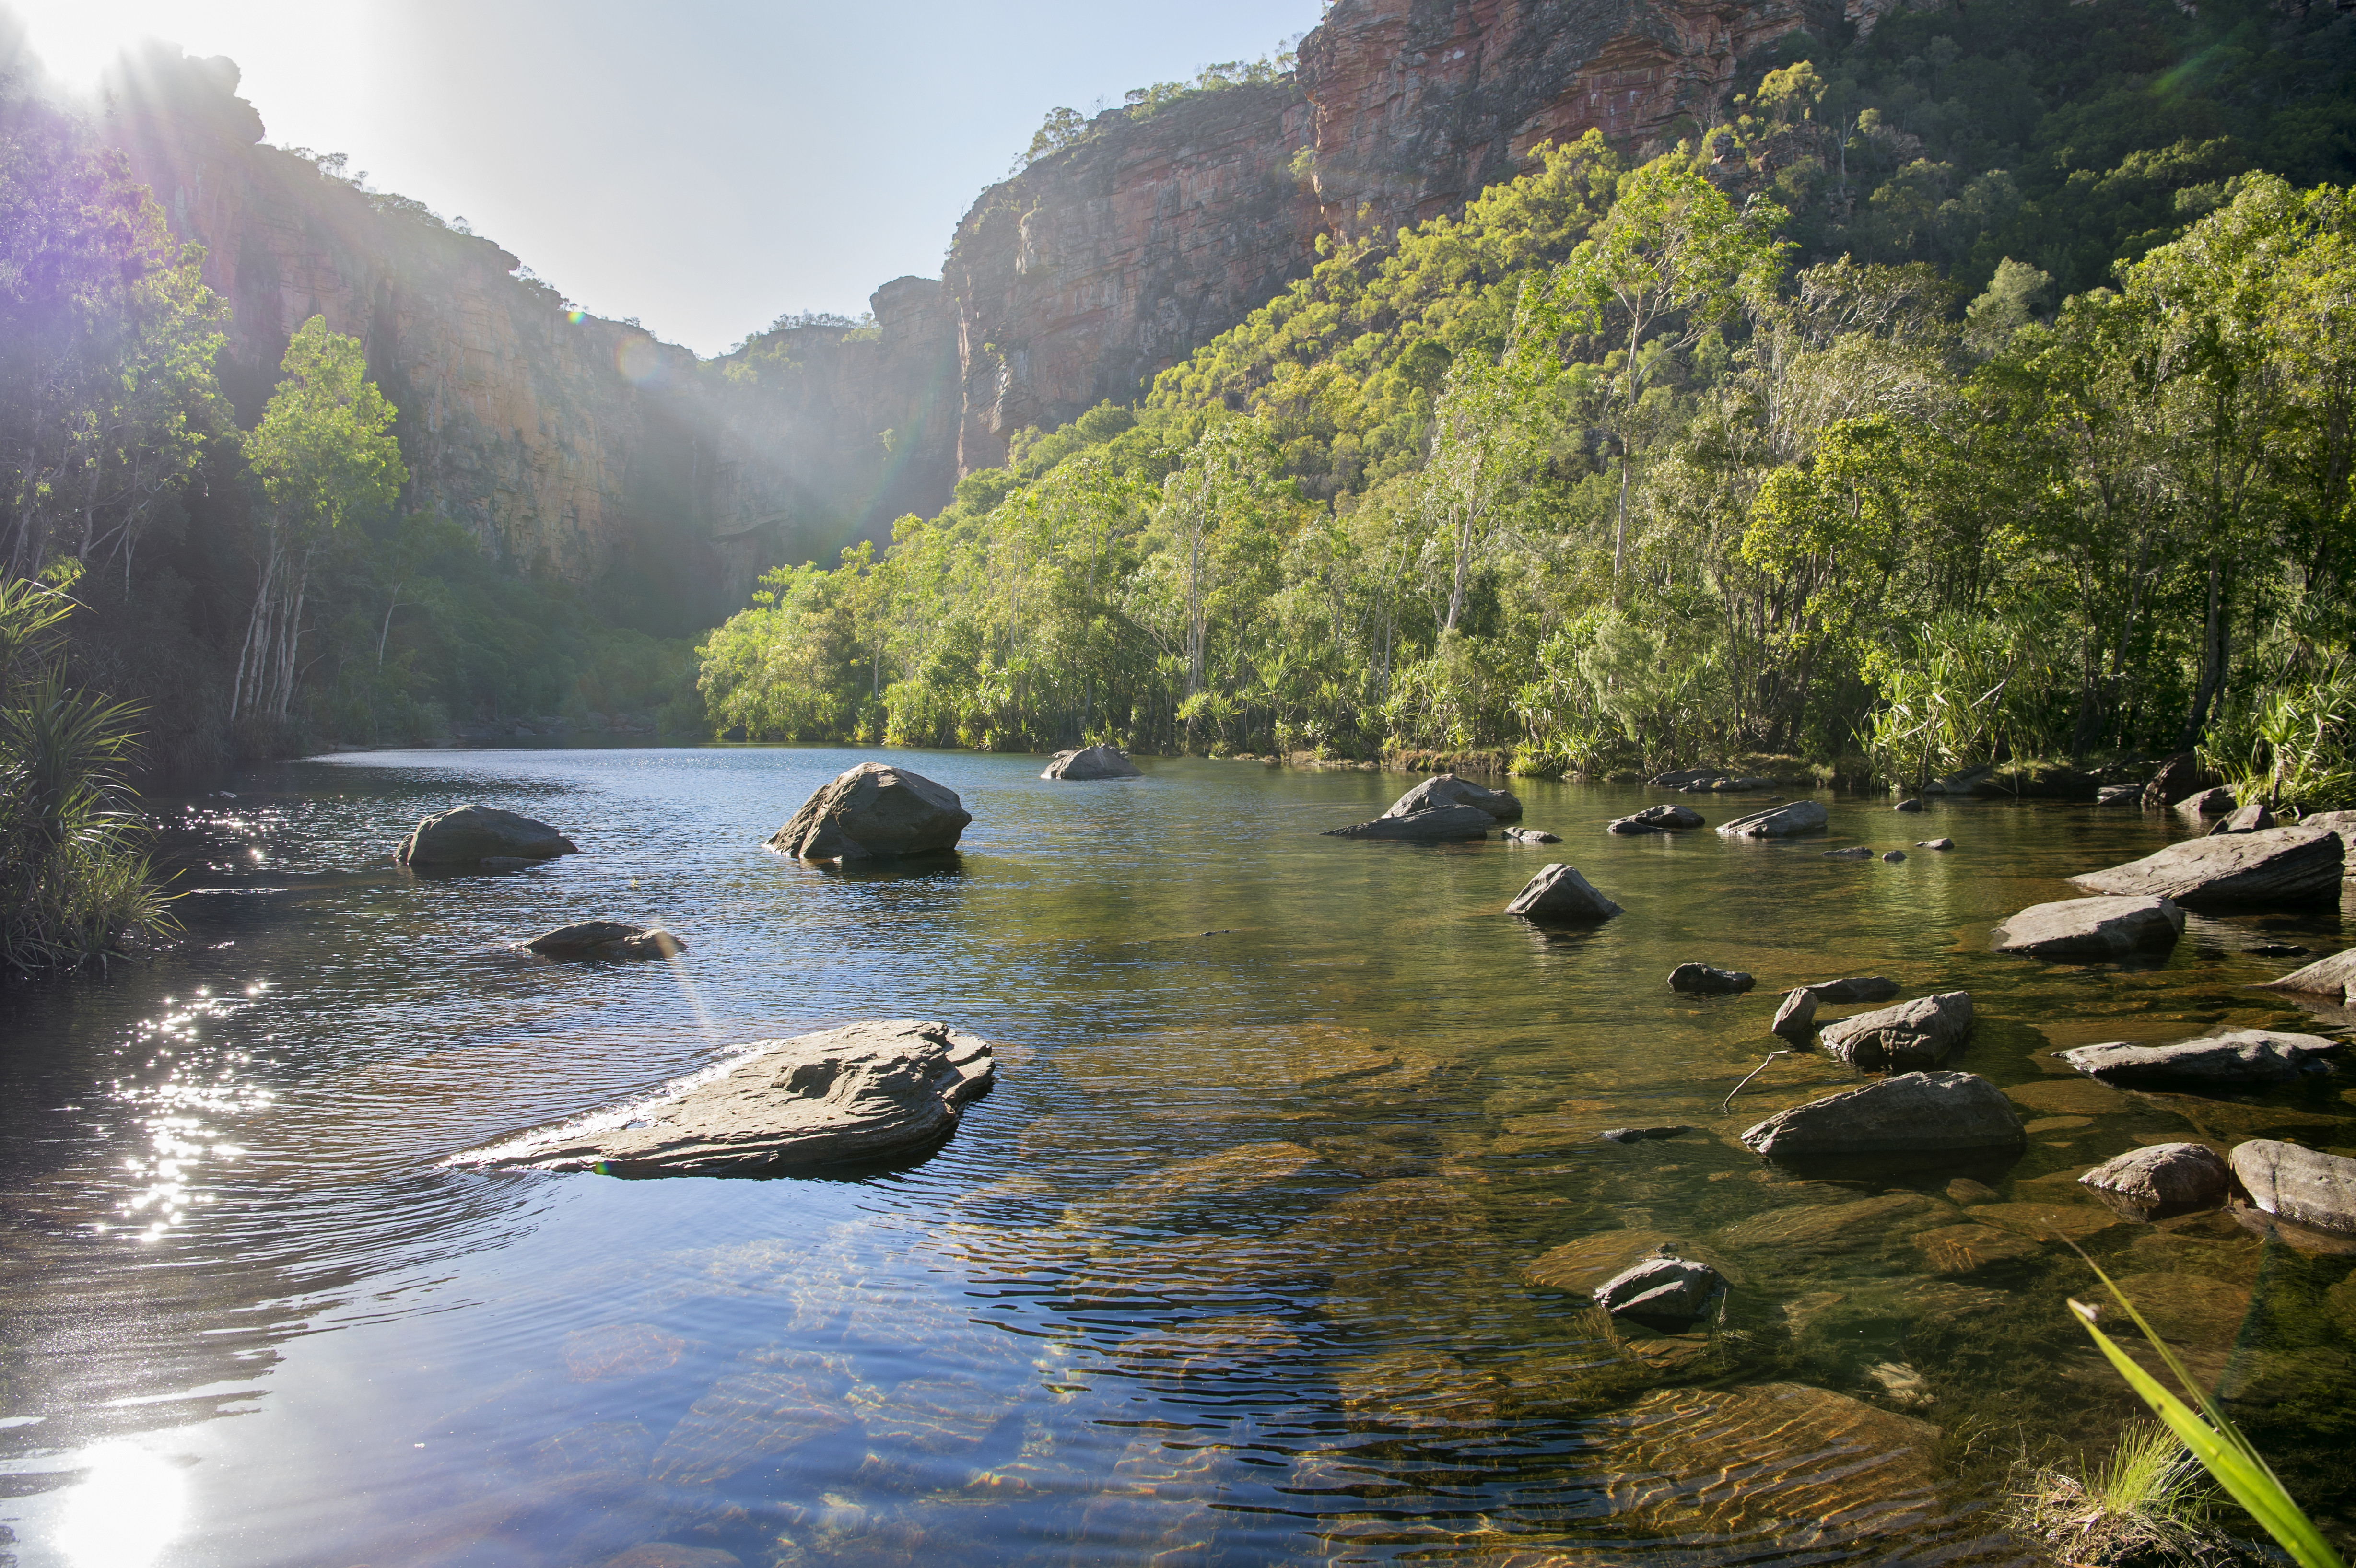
(701, 165)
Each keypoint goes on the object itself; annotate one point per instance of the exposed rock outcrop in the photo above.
(2237, 1059)
(1914, 1116)
(1795, 1021)
(1784, 821)
(1560, 894)
(605, 939)
(1092, 763)
(1703, 980)
(2279, 866)
(1921, 1033)
(2334, 977)
(1441, 825)
(1661, 1293)
(873, 812)
(1532, 836)
(466, 835)
(2092, 928)
(1447, 789)
(865, 1092)
(1657, 819)
(2163, 1178)
(2301, 1185)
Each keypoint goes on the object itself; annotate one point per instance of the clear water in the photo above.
(1264, 1249)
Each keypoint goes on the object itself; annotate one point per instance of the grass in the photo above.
(2147, 1503)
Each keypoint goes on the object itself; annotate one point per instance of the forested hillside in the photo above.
(1980, 388)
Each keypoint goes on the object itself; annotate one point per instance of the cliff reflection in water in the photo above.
(1271, 1244)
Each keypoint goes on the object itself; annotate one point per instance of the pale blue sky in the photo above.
(704, 166)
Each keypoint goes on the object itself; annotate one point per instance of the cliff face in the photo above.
(1099, 265)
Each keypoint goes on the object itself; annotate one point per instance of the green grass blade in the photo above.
(2223, 1452)
(2191, 1385)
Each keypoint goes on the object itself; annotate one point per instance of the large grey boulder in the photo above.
(2281, 865)
(2238, 1059)
(2171, 1177)
(2216, 801)
(1447, 789)
(2334, 977)
(861, 1092)
(1916, 1115)
(1795, 1021)
(1669, 819)
(470, 835)
(1092, 763)
(2300, 1185)
(1661, 1293)
(1560, 893)
(1438, 826)
(1795, 817)
(1703, 980)
(605, 939)
(2340, 825)
(2251, 818)
(873, 811)
(2099, 927)
(1918, 1033)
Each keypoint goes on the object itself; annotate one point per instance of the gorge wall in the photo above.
(585, 449)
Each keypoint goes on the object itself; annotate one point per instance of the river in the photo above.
(1266, 1248)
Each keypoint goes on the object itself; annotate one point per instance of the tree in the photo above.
(325, 453)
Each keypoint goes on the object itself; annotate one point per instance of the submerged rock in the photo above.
(2280, 865)
(1920, 1033)
(1092, 763)
(1910, 803)
(861, 1092)
(1854, 852)
(2173, 1177)
(1532, 836)
(470, 834)
(1443, 824)
(1661, 1293)
(1855, 988)
(1893, 857)
(1447, 789)
(2236, 1059)
(1639, 1135)
(2302, 1185)
(1702, 980)
(2118, 794)
(605, 939)
(1795, 1021)
(1670, 819)
(874, 810)
(1784, 821)
(1934, 843)
(2099, 927)
(1560, 893)
(1914, 1115)
(2334, 977)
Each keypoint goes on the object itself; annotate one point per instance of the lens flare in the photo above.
(126, 1512)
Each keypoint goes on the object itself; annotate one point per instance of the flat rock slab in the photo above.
(873, 811)
(1657, 819)
(1793, 817)
(1914, 1116)
(1639, 1134)
(2241, 1058)
(1961, 1249)
(2163, 1178)
(1703, 980)
(861, 1092)
(605, 939)
(2281, 865)
(1532, 836)
(1441, 825)
(1092, 763)
(2302, 1185)
(470, 835)
(2334, 977)
(2099, 927)
(1560, 893)
(1918, 1033)
(1447, 789)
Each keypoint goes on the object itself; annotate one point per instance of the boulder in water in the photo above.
(1661, 1293)
(1934, 843)
(2237, 1059)
(1782, 821)
(2169, 1178)
(1854, 852)
(1893, 857)
(470, 834)
(2301, 1185)
(1560, 893)
(1917, 1116)
(2119, 795)
(1639, 1134)
(1795, 1021)
(2217, 801)
(1532, 836)
(2279, 866)
(1447, 789)
(1918, 1033)
(605, 939)
(2250, 818)
(861, 1092)
(2334, 977)
(1911, 803)
(1441, 824)
(2101, 927)
(1702, 980)
(1092, 763)
(1683, 777)
(873, 811)
(1669, 819)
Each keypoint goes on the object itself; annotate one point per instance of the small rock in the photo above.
(1854, 852)
(1442, 823)
(873, 811)
(2175, 1178)
(1934, 843)
(1687, 776)
(2092, 928)
(1658, 819)
(2276, 950)
(2250, 818)
(1092, 763)
(1531, 835)
(1777, 821)
(1447, 789)
(2276, 866)
(2216, 802)
(2118, 794)
(1663, 1293)
(2234, 1059)
(1912, 1115)
(470, 835)
(1795, 1021)
(605, 939)
(2299, 1184)
(1639, 1134)
(1920, 1033)
(1909, 804)
(1894, 856)
(1702, 980)
(1560, 893)
(1856, 989)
